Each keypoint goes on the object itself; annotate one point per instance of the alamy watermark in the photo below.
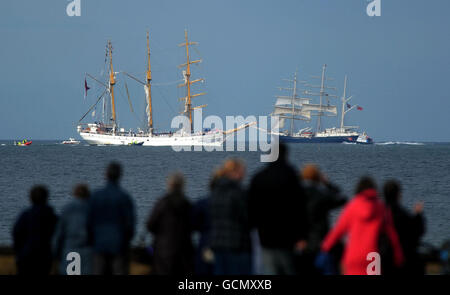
(374, 267)
(74, 265)
(234, 138)
(74, 8)
(374, 8)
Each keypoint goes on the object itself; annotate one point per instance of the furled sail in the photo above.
(280, 125)
(280, 110)
(286, 100)
(319, 108)
(147, 109)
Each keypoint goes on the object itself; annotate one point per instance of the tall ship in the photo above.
(108, 132)
(294, 108)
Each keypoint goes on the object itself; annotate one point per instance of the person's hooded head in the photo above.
(39, 195)
(366, 189)
(392, 192)
(365, 183)
(113, 172)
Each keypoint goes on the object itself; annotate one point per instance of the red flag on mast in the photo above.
(359, 108)
(86, 88)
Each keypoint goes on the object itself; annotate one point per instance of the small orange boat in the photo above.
(23, 143)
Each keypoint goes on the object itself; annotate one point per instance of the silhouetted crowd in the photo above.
(280, 222)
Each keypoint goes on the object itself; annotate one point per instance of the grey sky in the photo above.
(398, 64)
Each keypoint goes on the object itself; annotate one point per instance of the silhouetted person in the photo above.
(170, 224)
(410, 228)
(363, 220)
(32, 235)
(321, 197)
(111, 225)
(71, 233)
(201, 223)
(230, 224)
(277, 209)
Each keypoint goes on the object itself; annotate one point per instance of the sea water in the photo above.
(422, 168)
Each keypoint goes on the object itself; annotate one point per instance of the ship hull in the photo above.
(215, 139)
(317, 139)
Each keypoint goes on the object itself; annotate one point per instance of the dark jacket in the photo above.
(277, 206)
(320, 200)
(111, 220)
(170, 224)
(71, 235)
(32, 235)
(201, 223)
(230, 225)
(410, 228)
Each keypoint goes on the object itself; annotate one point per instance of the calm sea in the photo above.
(423, 169)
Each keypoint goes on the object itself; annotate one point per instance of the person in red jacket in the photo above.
(364, 220)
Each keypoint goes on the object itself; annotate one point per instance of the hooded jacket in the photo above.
(363, 220)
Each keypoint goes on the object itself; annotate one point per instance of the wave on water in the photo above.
(399, 142)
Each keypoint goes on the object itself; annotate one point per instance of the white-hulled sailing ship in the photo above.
(301, 108)
(109, 133)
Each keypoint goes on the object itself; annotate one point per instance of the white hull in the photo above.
(212, 139)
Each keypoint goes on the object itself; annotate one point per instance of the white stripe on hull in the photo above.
(215, 139)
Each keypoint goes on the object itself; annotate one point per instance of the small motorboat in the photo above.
(136, 143)
(23, 143)
(71, 141)
(364, 139)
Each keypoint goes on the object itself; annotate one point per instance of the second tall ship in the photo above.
(107, 132)
(300, 108)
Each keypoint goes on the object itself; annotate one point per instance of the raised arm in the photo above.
(340, 229)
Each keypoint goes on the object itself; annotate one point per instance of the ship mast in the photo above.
(149, 89)
(345, 100)
(291, 107)
(187, 81)
(344, 97)
(112, 82)
(294, 94)
(321, 94)
(321, 108)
